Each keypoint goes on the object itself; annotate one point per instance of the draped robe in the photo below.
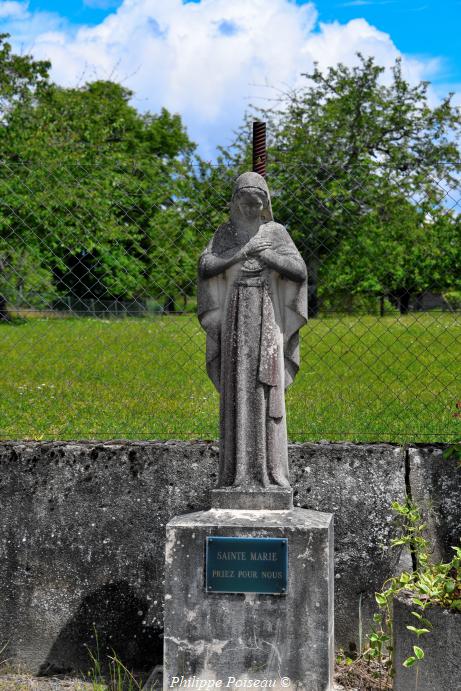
(252, 315)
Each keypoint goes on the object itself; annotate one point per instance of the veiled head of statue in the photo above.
(251, 198)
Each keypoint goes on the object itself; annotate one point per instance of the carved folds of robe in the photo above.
(252, 315)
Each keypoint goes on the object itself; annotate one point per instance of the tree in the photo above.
(92, 186)
(356, 159)
(406, 255)
(22, 80)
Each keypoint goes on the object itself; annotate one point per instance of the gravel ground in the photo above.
(24, 682)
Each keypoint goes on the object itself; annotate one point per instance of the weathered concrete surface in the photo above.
(439, 671)
(82, 533)
(217, 636)
(436, 486)
(82, 546)
(357, 483)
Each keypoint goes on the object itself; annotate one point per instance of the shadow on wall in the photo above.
(114, 615)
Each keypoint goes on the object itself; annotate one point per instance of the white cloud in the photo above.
(12, 10)
(341, 42)
(206, 60)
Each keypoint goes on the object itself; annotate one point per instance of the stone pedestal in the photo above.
(227, 640)
(273, 498)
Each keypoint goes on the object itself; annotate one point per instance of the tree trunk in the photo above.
(4, 316)
(169, 305)
(381, 305)
(402, 298)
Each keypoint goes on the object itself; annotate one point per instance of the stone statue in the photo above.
(252, 301)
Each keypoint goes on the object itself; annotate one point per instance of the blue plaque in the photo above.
(247, 565)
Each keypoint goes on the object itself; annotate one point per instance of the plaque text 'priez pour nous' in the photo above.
(247, 565)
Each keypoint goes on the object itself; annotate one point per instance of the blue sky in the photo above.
(419, 27)
(208, 60)
(78, 11)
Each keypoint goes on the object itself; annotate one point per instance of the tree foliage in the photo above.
(94, 194)
(363, 165)
(101, 201)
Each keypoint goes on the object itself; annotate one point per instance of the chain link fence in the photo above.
(98, 333)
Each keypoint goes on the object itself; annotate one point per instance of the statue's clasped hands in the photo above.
(256, 246)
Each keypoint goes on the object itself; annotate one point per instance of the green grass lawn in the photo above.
(362, 378)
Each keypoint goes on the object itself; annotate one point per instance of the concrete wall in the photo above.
(82, 535)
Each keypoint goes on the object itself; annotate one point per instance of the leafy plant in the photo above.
(427, 585)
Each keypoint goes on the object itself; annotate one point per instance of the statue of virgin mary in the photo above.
(252, 301)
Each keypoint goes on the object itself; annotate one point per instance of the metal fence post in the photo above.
(259, 148)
